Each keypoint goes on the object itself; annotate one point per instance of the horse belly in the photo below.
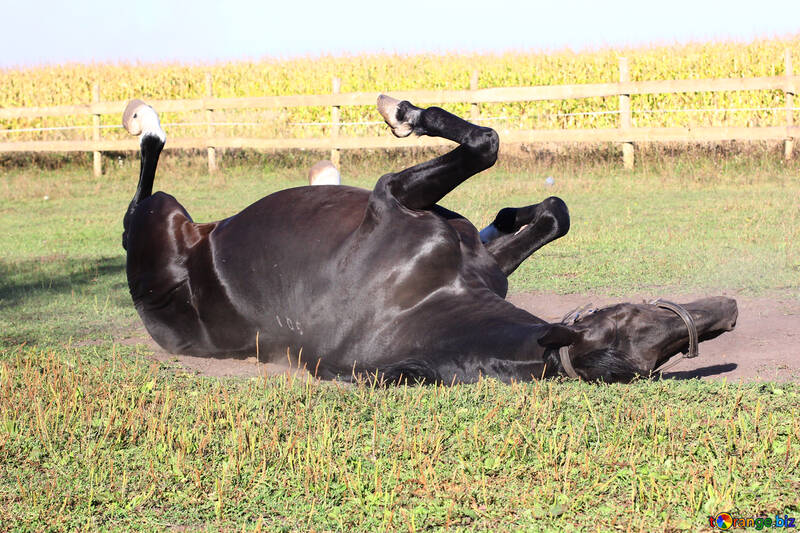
(279, 271)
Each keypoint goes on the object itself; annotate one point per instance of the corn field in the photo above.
(72, 83)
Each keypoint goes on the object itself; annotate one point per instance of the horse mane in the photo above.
(407, 371)
(607, 364)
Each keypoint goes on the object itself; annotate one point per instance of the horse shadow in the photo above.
(47, 297)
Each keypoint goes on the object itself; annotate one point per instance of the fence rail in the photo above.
(625, 133)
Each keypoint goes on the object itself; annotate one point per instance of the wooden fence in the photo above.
(625, 133)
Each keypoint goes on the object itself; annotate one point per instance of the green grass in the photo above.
(98, 440)
(95, 436)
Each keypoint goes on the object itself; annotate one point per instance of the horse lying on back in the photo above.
(382, 282)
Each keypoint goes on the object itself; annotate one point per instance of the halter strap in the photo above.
(693, 350)
(563, 354)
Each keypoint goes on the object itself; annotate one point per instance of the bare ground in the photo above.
(765, 346)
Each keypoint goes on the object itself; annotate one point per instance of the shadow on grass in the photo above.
(53, 275)
(50, 298)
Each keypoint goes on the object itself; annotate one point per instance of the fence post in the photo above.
(788, 144)
(336, 88)
(625, 120)
(475, 110)
(97, 161)
(212, 152)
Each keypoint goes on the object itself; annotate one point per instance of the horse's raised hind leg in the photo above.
(421, 186)
(519, 232)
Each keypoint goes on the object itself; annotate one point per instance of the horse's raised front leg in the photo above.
(421, 186)
(516, 233)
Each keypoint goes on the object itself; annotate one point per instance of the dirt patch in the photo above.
(765, 346)
(219, 367)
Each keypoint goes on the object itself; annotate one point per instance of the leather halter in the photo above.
(693, 350)
(563, 354)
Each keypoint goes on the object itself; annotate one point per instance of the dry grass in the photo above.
(92, 438)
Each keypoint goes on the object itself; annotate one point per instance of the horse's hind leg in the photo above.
(519, 232)
(421, 186)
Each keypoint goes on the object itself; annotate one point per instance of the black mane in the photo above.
(608, 365)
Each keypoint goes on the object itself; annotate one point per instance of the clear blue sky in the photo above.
(57, 31)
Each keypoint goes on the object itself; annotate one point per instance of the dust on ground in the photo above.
(764, 346)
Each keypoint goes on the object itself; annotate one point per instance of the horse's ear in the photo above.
(558, 335)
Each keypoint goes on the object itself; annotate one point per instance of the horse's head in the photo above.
(617, 343)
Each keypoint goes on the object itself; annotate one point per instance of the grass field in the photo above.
(94, 435)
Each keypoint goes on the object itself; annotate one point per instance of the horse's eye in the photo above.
(134, 115)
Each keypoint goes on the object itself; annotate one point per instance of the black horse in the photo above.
(385, 282)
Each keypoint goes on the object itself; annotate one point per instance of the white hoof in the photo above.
(141, 120)
(131, 124)
(387, 107)
(324, 173)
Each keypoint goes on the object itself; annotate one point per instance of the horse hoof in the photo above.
(324, 173)
(388, 108)
(141, 120)
(130, 119)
